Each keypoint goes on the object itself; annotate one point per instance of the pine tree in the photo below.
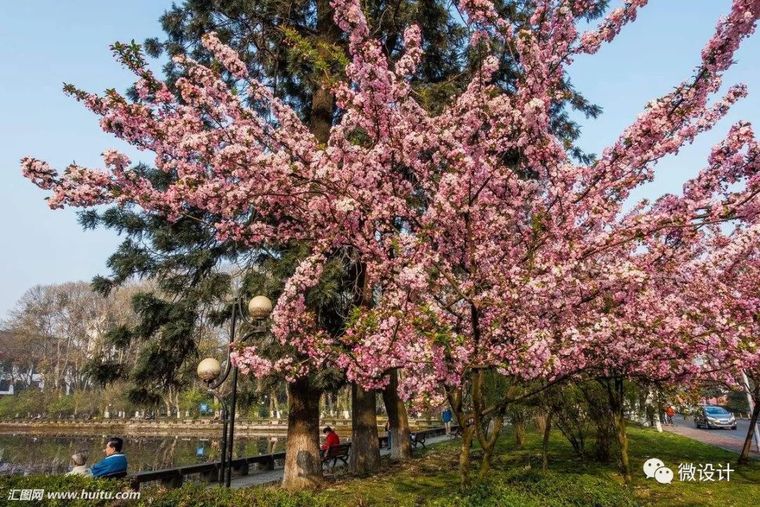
(297, 50)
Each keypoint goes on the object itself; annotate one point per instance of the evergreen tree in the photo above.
(296, 49)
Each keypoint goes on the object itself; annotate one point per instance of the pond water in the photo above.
(50, 454)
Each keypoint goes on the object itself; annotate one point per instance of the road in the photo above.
(732, 440)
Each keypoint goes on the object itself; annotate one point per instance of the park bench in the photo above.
(335, 453)
(417, 439)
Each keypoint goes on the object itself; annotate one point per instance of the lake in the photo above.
(50, 454)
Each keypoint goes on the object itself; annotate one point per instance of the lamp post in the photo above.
(210, 372)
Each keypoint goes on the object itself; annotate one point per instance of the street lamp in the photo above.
(209, 369)
(210, 372)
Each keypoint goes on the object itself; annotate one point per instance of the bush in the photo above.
(30, 401)
(61, 406)
(61, 483)
(189, 495)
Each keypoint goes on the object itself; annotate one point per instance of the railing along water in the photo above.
(174, 477)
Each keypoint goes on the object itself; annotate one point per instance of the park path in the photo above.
(264, 477)
(730, 440)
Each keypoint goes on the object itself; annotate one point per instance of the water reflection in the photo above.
(50, 454)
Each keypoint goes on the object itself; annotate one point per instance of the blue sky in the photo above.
(44, 43)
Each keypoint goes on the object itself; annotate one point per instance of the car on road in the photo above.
(711, 416)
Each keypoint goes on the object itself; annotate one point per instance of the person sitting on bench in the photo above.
(80, 468)
(332, 439)
(115, 462)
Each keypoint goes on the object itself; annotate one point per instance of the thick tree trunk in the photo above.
(605, 429)
(365, 448)
(398, 421)
(744, 456)
(303, 467)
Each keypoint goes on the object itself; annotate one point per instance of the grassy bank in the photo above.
(516, 480)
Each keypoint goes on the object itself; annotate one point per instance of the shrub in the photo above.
(61, 483)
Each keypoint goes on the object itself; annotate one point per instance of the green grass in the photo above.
(517, 478)
(431, 479)
(742, 490)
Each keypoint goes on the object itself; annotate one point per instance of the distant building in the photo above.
(9, 380)
(15, 376)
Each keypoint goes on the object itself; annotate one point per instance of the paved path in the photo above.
(731, 440)
(261, 478)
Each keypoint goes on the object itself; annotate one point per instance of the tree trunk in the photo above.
(602, 444)
(322, 101)
(365, 448)
(464, 456)
(545, 446)
(303, 466)
(616, 394)
(330, 401)
(467, 430)
(487, 439)
(622, 439)
(489, 443)
(744, 456)
(519, 433)
(398, 421)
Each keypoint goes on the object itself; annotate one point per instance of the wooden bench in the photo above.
(335, 453)
(417, 439)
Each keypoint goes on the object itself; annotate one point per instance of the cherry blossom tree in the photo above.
(728, 290)
(484, 248)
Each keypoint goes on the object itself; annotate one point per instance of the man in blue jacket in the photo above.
(114, 463)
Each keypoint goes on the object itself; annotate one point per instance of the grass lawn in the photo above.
(517, 478)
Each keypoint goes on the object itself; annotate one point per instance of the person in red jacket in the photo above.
(331, 439)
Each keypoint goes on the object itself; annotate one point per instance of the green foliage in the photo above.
(534, 488)
(62, 405)
(191, 400)
(737, 402)
(54, 404)
(325, 59)
(191, 495)
(184, 260)
(62, 483)
(30, 401)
